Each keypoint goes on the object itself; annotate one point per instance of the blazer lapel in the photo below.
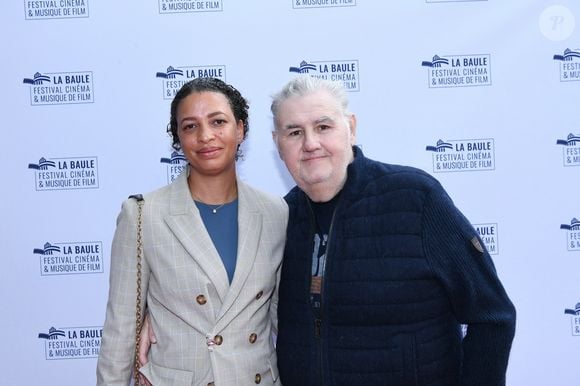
(186, 224)
(249, 232)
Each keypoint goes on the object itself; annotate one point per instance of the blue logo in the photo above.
(72, 342)
(459, 71)
(53, 333)
(575, 312)
(345, 71)
(170, 74)
(43, 164)
(48, 249)
(489, 235)
(175, 77)
(60, 88)
(463, 155)
(297, 4)
(180, 6)
(35, 10)
(573, 234)
(304, 68)
(569, 65)
(175, 165)
(37, 79)
(66, 173)
(571, 150)
(70, 258)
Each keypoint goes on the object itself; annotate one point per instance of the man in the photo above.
(380, 269)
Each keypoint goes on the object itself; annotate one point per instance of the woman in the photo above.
(212, 249)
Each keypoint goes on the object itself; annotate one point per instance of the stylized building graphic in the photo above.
(37, 79)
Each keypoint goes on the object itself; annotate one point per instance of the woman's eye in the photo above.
(219, 122)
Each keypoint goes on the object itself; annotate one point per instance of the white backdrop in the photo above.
(482, 94)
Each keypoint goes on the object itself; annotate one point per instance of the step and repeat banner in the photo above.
(482, 94)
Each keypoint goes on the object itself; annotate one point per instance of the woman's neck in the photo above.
(213, 190)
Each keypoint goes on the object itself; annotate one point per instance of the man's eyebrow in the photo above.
(323, 119)
(291, 126)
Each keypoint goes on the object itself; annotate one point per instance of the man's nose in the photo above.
(311, 140)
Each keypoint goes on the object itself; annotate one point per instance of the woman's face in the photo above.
(208, 132)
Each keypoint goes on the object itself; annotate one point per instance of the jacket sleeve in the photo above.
(466, 270)
(115, 363)
(274, 301)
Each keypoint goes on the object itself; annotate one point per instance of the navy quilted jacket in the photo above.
(405, 269)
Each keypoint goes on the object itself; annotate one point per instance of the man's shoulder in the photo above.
(401, 176)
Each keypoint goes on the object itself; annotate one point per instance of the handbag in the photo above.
(138, 315)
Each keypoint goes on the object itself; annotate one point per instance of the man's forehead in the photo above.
(302, 119)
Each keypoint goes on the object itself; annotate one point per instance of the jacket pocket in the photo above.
(159, 375)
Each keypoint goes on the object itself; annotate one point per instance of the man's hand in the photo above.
(146, 339)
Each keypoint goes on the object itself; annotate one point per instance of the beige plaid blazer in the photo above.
(208, 331)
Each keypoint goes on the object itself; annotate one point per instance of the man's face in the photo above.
(315, 141)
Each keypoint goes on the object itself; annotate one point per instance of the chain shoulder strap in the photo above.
(138, 315)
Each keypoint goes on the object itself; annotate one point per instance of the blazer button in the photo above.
(201, 300)
(259, 295)
(258, 378)
(253, 338)
(218, 339)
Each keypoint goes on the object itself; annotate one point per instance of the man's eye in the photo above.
(323, 127)
(294, 133)
(219, 122)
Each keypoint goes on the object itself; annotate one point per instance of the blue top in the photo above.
(221, 223)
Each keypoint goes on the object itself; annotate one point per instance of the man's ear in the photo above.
(352, 126)
(275, 138)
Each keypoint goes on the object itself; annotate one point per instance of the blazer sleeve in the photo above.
(115, 363)
(465, 268)
(274, 301)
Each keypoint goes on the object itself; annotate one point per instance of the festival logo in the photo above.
(571, 150)
(72, 342)
(573, 234)
(70, 258)
(463, 155)
(66, 173)
(459, 71)
(575, 319)
(175, 165)
(345, 71)
(175, 77)
(298, 4)
(180, 6)
(569, 65)
(489, 235)
(52, 9)
(60, 88)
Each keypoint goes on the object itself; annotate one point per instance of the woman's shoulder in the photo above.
(262, 199)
